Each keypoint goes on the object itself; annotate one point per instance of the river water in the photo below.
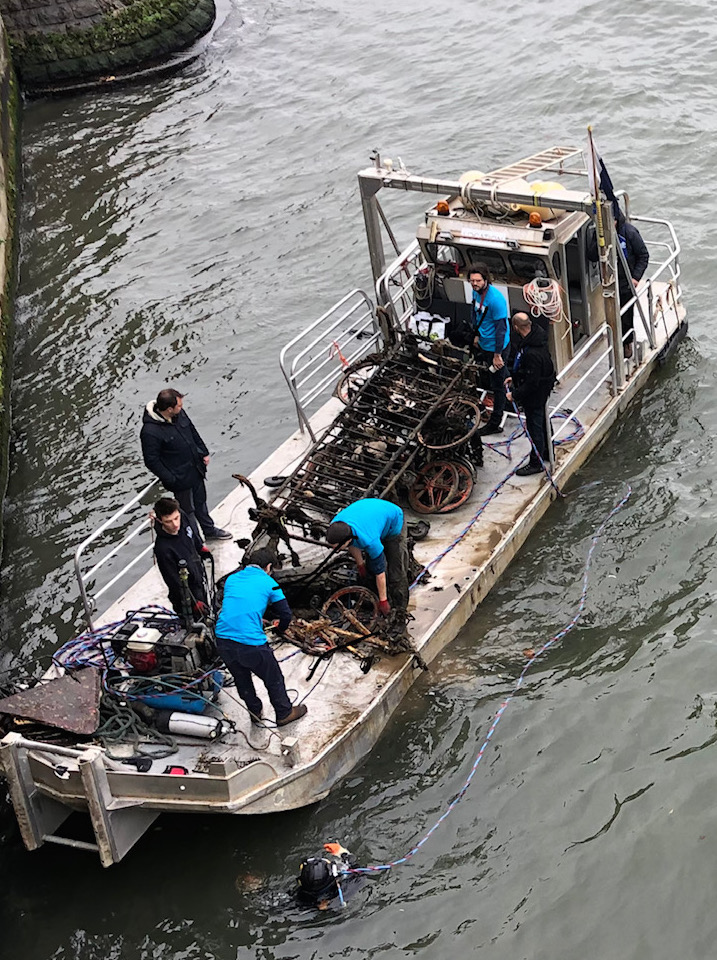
(178, 232)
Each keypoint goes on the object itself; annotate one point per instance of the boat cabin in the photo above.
(532, 233)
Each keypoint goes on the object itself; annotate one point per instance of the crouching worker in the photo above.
(249, 594)
(376, 529)
(177, 540)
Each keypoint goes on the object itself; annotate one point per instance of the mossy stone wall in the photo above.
(56, 15)
(61, 41)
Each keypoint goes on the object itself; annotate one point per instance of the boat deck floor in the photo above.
(339, 694)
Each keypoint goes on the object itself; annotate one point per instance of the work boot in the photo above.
(528, 470)
(218, 534)
(295, 714)
(256, 717)
(490, 428)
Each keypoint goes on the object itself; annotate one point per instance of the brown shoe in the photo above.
(295, 714)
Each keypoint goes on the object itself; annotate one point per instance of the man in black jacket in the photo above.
(638, 258)
(530, 386)
(178, 539)
(174, 452)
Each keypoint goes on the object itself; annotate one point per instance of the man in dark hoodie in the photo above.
(638, 258)
(178, 539)
(174, 452)
(530, 386)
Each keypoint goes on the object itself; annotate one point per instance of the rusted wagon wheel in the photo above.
(352, 605)
(436, 484)
(464, 489)
(452, 423)
(353, 378)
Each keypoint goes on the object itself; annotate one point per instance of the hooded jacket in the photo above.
(172, 449)
(636, 254)
(169, 549)
(533, 370)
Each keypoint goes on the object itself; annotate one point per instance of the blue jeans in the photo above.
(194, 503)
(243, 660)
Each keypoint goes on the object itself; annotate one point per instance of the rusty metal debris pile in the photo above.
(349, 620)
(412, 405)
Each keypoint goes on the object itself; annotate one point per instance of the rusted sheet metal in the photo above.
(70, 703)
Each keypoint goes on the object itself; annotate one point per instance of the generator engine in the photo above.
(158, 644)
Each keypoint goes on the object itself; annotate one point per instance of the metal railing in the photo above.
(394, 288)
(667, 270)
(89, 601)
(587, 378)
(312, 361)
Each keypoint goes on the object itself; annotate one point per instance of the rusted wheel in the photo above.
(464, 489)
(452, 423)
(353, 378)
(351, 608)
(436, 484)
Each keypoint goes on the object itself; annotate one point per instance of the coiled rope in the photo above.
(561, 634)
(544, 297)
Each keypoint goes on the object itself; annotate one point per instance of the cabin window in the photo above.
(445, 253)
(493, 260)
(526, 266)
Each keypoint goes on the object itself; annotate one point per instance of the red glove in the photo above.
(200, 609)
(384, 607)
(361, 570)
(205, 552)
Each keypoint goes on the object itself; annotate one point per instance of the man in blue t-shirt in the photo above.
(374, 532)
(248, 594)
(491, 340)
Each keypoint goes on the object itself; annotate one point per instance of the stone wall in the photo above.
(62, 41)
(9, 166)
(48, 16)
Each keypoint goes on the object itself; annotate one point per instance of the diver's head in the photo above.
(316, 879)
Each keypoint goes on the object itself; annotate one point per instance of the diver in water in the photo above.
(324, 881)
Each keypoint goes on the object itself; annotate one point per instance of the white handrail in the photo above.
(82, 578)
(308, 375)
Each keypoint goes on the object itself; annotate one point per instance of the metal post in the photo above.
(117, 825)
(549, 437)
(611, 301)
(37, 816)
(369, 188)
(611, 347)
(647, 328)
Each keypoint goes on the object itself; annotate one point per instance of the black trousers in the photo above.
(536, 426)
(497, 384)
(396, 550)
(244, 660)
(194, 502)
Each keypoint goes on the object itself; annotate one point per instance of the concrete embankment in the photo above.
(9, 172)
(57, 42)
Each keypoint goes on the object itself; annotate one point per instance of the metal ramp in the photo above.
(117, 824)
(539, 161)
(374, 439)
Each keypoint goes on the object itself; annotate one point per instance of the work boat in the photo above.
(137, 716)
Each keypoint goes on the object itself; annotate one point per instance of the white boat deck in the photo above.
(346, 708)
